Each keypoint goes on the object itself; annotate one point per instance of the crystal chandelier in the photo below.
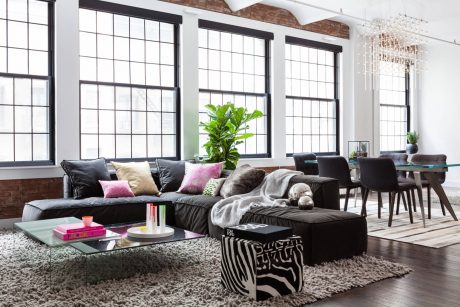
(397, 41)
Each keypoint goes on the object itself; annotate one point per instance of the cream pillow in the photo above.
(139, 177)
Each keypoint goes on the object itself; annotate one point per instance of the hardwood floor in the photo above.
(435, 280)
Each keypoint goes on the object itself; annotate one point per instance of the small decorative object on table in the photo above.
(301, 195)
(358, 149)
(412, 139)
(155, 224)
(87, 220)
(77, 231)
(265, 269)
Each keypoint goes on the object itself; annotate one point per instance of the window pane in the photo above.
(18, 61)
(38, 37)
(17, 10)
(23, 147)
(6, 120)
(38, 63)
(41, 147)
(22, 92)
(121, 25)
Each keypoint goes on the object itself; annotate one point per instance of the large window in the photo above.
(26, 82)
(129, 102)
(234, 67)
(311, 97)
(394, 106)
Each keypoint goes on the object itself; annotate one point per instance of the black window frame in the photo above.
(51, 95)
(147, 14)
(268, 37)
(336, 49)
(407, 106)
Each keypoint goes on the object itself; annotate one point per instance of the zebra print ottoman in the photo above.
(261, 271)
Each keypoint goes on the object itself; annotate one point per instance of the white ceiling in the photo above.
(443, 16)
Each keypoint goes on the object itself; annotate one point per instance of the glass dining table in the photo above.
(430, 172)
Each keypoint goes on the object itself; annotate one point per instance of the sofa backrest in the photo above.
(68, 189)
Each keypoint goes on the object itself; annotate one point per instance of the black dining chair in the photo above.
(379, 175)
(337, 167)
(300, 165)
(430, 159)
(401, 158)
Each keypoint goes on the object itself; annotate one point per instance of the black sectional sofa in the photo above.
(328, 233)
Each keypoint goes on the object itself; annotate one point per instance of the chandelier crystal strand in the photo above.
(393, 41)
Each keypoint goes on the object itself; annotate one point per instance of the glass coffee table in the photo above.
(116, 239)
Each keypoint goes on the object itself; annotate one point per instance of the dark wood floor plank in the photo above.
(435, 280)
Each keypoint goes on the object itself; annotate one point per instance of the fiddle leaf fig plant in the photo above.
(226, 130)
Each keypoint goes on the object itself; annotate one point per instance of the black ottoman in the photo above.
(327, 234)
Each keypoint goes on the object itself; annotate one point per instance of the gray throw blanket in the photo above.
(229, 211)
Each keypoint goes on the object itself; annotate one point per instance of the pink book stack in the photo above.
(68, 232)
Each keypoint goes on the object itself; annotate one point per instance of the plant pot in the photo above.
(411, 149)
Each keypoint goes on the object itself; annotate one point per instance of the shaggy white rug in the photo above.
(174, 274)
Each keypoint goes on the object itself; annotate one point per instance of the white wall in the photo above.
(439, 108)
(67, 85)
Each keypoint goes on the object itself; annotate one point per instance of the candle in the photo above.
(162, 217)
(87, 220)
(149, 217)
(155, 218)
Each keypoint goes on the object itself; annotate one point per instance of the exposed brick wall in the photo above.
(270, 14)
(15, 193)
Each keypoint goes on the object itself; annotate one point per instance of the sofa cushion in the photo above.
(213, 186)
(139, 177)
(191, 212)
(85, 175)
(197, 175)
(116, 188)
(171, 174)
(243, 180)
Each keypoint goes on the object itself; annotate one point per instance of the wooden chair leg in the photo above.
(399, 201)
(429, 201)
(414, 203)
(363, 208)
(409, 199)
(392, 203)
(442, 208)
(380, 205)
(411, 217)
(404, 200)
(347, 196)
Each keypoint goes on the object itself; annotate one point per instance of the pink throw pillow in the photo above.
(116, 188)
(197, 175)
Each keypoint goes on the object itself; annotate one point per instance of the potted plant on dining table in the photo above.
(412, 139)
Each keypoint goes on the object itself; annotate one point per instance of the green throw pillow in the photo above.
(213, 186)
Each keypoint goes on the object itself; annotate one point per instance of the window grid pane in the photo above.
(311, 105)
(393, 106)
(128, 91)
(232, 69)
(25, 132)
